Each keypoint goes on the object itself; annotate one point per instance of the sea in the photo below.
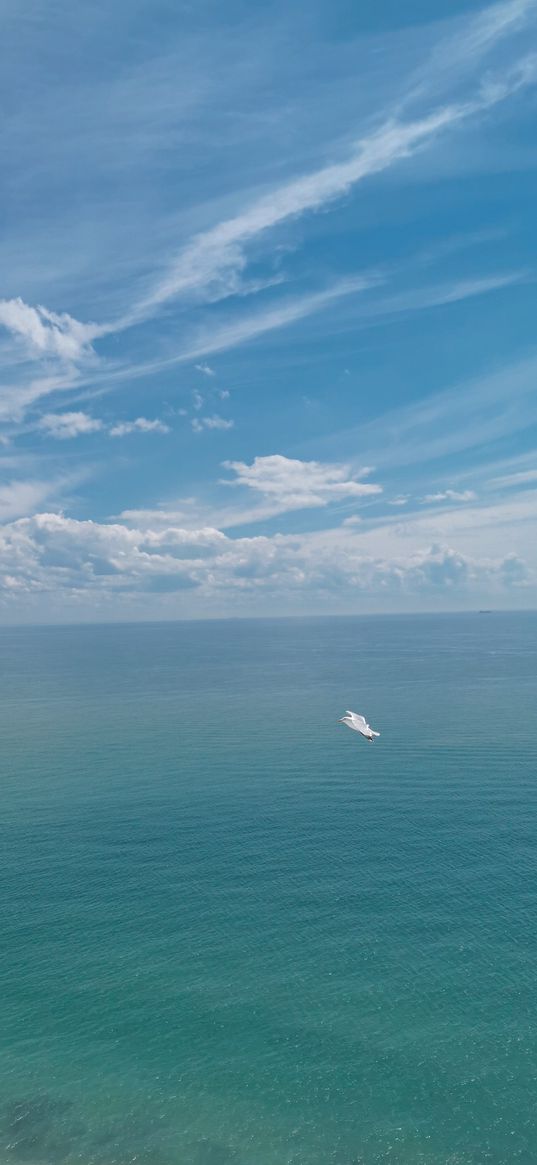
(232, 932)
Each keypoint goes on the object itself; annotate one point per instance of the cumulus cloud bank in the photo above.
(53, 554)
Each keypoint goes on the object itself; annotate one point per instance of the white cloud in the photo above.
(84, 561)
(18, 498)
(523, 477)
(140, 425)
(213, 262)
(401, 500)
(158, 519)
(476, 530)
(214, 422)
(451, 495)
(65, 426)
(288, 484)
(216, 258)
(58, 343)
(44, 332)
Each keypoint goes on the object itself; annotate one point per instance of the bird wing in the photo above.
(358, 722)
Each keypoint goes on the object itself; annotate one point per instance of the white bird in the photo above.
(359, 724)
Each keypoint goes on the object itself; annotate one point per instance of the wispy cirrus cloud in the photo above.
(509, 480)
(16, 399)
(467, 415)
(459, 51)
(215, 257)
(239, 331)
(215, 260)
(438, 295)
(261, 322)
(450, 495)
(224, 336)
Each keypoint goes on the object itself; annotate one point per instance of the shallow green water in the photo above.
(231, 931)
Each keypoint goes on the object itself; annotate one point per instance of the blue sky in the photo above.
(267, 315)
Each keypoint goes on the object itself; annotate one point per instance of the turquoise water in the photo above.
(232, 933)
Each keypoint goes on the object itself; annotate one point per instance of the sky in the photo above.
(267, 308)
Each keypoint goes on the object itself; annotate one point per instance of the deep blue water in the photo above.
(231, 932)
